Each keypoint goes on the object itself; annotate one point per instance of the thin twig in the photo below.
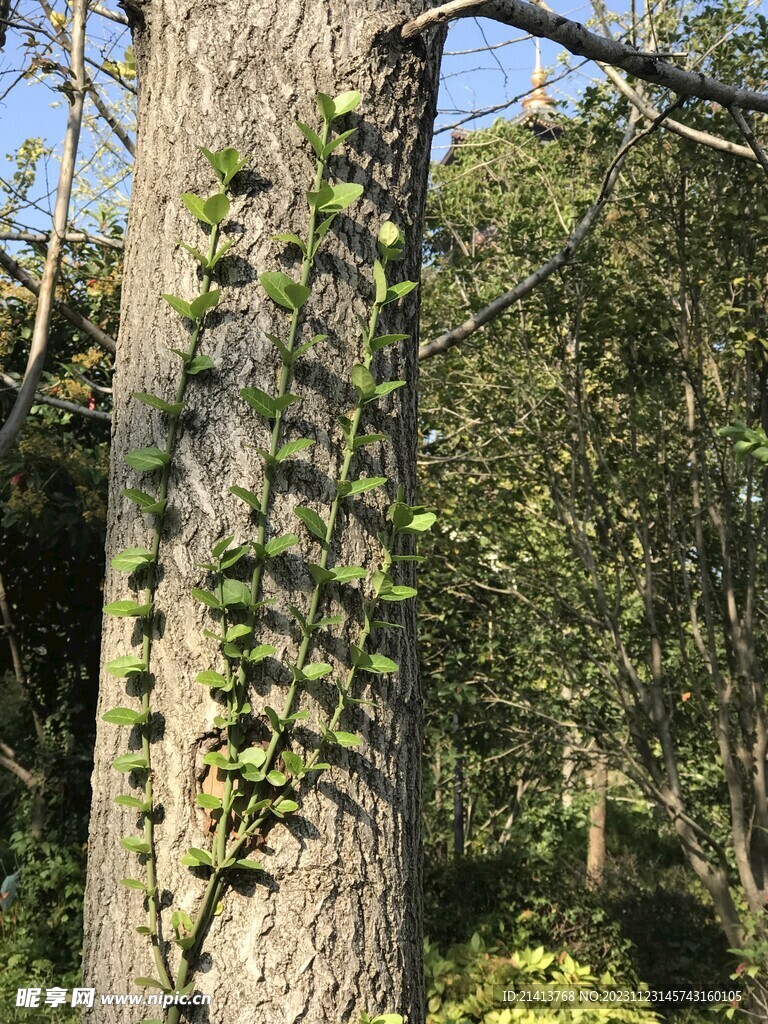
(746, 130)
(45, 303)
(60, 403)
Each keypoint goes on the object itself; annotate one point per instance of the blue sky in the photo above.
(471, 80)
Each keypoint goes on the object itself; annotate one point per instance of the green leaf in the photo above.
(234, 555)
(317, 670)
(235, 592)
(221, 546)
(277, 545)
(421, 523)
(199, 256)
(387, 339)
(365, 483)
(194, 858)
(343, 573)
(283, 401)
(133, 883)
(397, 594)
(129, 801)
(285, 806)
(346, 102)
(319, 574)
(259, 401)
(132, 762)
(121, 716)
(240, 630)
(276, 778)
(216, 208)
(135, 845)
(130, 559)
(326, 106)
(255, 756)
(146, 501)
(197, 364)
(292, 762)
(288, 236)
(312, 138)
(338, 141)
(363, 382)
(399, 291)
(127, 609)
(126, 665)
(149, 983)
(261, 652)
(377, 664)
(247, 865)
(347, 739)
(231, 162)
(339, 197)
(216, 759)
(204, 302)
(292, 447)
(274, 718)
(209, 801)
(146, 459)
(195, 205)
(158, 403)
(312, 521)
(388, 387)
(364, 439)
(380, 280)
(300, 351)
(215, 679)
(220, 253)
(284, 290)
(247, 496)
(206, 597)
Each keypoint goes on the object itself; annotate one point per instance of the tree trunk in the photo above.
(337, 928)
(458, 787)
(598, 812)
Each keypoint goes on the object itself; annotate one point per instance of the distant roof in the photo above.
(538, 114)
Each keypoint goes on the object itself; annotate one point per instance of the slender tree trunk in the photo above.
(598, 812)
(458, 787)
(337, 927)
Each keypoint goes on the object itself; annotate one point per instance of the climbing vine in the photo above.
(262, 784)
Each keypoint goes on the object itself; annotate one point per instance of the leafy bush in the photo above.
(463, 986)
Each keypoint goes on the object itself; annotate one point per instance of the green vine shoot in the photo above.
(264, 784)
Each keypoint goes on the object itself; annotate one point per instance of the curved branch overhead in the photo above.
(580, 41)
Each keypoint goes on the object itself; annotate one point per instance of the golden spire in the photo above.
(538, 99)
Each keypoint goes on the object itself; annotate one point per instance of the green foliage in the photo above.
(464, 986)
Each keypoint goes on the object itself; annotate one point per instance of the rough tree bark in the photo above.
(337, 927)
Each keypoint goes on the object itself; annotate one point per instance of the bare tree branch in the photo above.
(676, 127)
(9, 629)
(60, 403)
(104, 12)
(579, 40)
(525, 287)
(44, 237)
(109, 117)
(82, 323)
(10, 764)
(746, 130)
(39, 344)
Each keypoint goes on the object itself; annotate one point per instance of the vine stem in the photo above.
(216, 881)
(319, 589)
(147, 625)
